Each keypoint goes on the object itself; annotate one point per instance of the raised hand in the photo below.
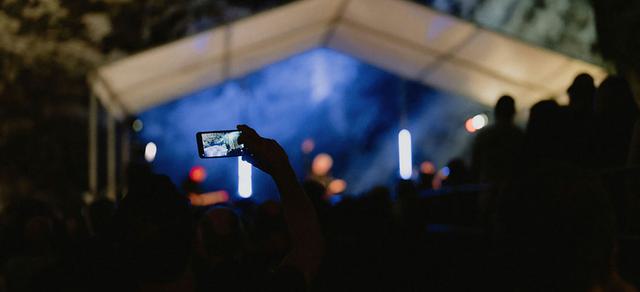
(307, 242)
(265, 154)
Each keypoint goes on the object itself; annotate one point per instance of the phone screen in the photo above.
(219, 144)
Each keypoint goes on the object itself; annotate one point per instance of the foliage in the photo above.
(619, 38)
(47, 47)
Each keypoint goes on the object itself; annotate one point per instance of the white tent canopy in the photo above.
(399, 36)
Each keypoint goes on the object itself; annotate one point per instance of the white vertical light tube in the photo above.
(404, 154)
(150, 151)
(479, 121)
(244, 178)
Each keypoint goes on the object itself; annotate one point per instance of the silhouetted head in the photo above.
(505, 109)
(543, 118)
(581, 93)
(554, 231)
(543, 130)
(544, 108)
(614, 99)
(221, 234)
(153, 229)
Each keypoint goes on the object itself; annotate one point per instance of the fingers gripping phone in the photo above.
(217, 144)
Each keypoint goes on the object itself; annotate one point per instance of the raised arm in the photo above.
(302, 222)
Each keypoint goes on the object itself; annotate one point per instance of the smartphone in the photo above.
(216, 144)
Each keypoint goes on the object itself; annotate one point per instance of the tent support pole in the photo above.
(111, 157)
(125, 157)
(93, 147)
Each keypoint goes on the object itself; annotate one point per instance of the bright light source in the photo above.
(336, 186)
(469, 126)
(427, 168)
(404, 153)
(478, 122)
(150, 151)
(137, 125)
(445, 171)
(197, 174)
(321, 164)
(244, 178)
(442, 175)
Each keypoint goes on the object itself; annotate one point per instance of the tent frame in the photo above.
(400, 36)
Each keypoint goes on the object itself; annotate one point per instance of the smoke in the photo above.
(350, 109)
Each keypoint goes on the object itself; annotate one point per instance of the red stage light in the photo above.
(469, 126)
(197, 174)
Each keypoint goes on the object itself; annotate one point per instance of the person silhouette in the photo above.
(577, 123)
(495, 149)
(151, 240)
(458, 173)
(544, 142)
(554, 230)
(617, 113)
(582, 94)
(301, 264)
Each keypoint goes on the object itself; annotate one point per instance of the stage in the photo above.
(350, 110)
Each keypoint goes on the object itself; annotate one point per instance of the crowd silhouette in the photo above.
(553, 207)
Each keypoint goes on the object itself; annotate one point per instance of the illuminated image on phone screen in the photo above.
(221, 144)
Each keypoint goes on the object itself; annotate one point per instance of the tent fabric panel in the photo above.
(411, 22)
(100, 90)
(285, 20)
(376, 50)
(400, 36)
(177, 84)
(486, 89)
(511, 58)
(249, 60)
(562, 78)
(134, 71)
